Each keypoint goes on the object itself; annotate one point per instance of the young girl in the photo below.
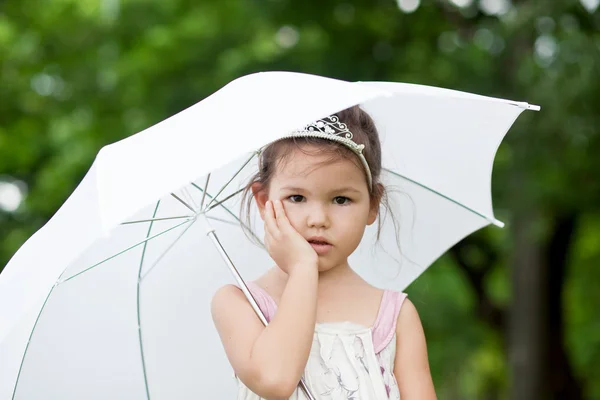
(317, 190)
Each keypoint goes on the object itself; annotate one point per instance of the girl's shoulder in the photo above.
(265, 290)
(267, 283)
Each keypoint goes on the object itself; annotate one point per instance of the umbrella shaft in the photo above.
(248, 295)
(237, 277)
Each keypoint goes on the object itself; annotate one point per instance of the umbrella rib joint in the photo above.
(220, 203)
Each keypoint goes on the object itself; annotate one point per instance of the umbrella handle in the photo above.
(211, 233)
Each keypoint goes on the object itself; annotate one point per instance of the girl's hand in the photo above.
(285, 245)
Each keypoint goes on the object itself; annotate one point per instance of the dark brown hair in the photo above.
(364, 132)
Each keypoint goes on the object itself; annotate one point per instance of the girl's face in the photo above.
(325, 202)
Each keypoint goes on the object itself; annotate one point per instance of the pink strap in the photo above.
(265, 302)
(385, 324)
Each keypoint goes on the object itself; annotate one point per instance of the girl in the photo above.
(316, 191)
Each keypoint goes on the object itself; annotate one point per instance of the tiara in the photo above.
(330, 128)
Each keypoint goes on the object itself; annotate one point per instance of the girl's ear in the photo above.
(260, 196)
(375, 202)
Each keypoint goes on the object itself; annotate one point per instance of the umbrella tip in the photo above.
(533, 107)
(499, 224)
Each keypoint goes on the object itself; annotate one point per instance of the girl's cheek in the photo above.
(292, 214)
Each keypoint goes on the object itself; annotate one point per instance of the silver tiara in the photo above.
(330, 128)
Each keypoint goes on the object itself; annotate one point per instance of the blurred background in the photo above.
(509, 313)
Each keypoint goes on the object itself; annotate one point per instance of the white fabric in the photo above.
(343, 366)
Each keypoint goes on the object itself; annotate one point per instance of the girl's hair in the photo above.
(364, 132)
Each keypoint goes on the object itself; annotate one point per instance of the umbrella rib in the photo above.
(190, 198)
(230, 180)
(486, 217)
(138, 302)
(186, 197)
(155, 219)
(204, 191)
(29, 341)
(126, 250)
(184, 203)
(220, 202)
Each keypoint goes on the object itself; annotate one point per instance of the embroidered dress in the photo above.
(347, 361)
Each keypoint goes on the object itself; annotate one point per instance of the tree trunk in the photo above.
(537, 353)
(525, 318)
(559, 376)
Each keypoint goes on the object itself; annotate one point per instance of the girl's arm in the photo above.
(271, 360)
(411, 366)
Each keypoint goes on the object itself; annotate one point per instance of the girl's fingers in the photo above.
(270, 223)
(280, 216)
(268, 239)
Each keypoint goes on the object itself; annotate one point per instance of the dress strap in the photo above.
(385, 324)
(265, 302)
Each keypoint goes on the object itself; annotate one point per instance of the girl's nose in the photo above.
(317, 216)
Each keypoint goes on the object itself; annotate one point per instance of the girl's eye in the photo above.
(296, 198)
(341, 200)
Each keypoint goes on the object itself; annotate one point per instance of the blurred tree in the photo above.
(509, 314)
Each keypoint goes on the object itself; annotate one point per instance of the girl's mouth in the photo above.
(320, 246)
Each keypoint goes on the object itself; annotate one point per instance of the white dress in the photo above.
(347, 361)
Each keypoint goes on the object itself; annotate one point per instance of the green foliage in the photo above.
(582, 300)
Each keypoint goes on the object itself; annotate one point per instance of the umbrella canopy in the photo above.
(110, 299)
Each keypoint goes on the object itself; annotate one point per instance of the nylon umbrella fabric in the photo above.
(111, 298)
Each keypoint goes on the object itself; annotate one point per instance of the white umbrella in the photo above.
(110, 299)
